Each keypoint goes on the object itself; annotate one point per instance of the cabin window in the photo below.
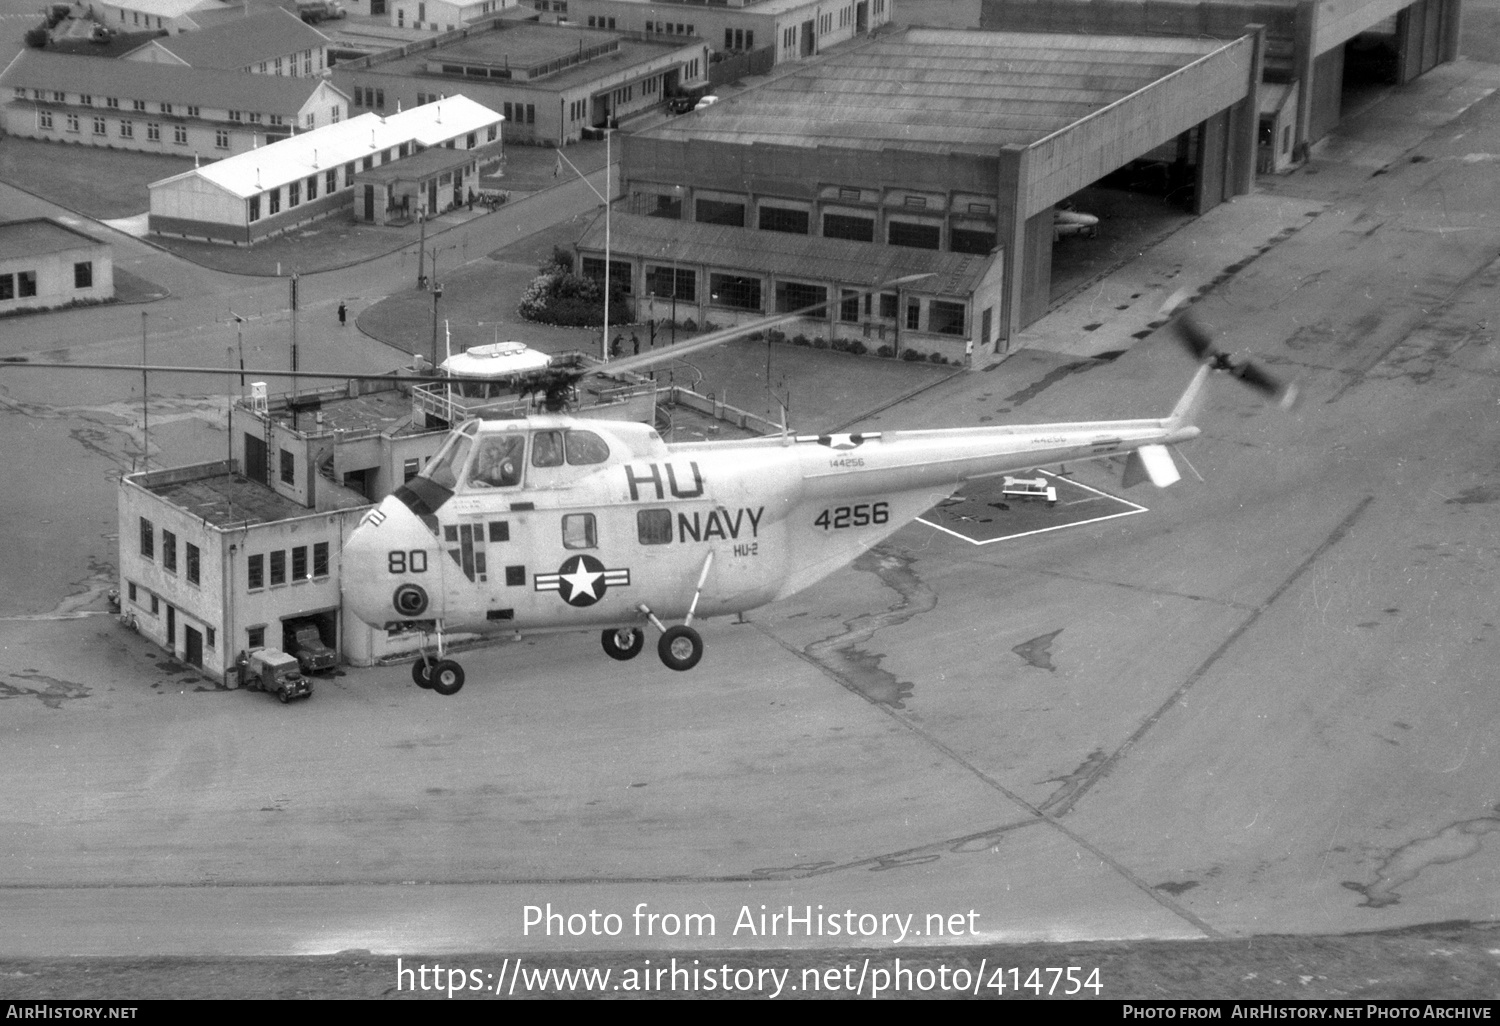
(443, 470)
(579, 532)
(585, 448)
(547, 449)
(654, 526)
(497, 464)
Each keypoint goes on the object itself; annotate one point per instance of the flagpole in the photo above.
(604, 335)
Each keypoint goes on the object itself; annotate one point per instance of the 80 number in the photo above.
(862, 515)
(399, 562)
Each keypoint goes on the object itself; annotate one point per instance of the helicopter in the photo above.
(552, 522)
(555, 523)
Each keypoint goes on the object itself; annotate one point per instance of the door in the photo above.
(432, 207)
(369, 202)
(808, 38)
(192, 643)
(172, 629)
(861, 16)
(255, 457)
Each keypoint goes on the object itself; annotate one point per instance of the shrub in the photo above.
(938, 358)
(561, 297)
(858, 348)
(820, 342)
(689, 325)
(800, 340)
(885, 351)
(911, 356)
(775, 335)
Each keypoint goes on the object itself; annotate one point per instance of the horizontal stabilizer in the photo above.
(1153, 463)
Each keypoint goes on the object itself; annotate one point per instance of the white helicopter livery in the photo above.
(554, 523)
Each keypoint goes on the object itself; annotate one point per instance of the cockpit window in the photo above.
(443, 470)
(547, 449)
(497, 461)
(585, 448)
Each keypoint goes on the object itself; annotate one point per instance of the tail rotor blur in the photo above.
(1198, 341)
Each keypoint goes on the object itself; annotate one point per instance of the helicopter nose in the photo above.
(389, 567)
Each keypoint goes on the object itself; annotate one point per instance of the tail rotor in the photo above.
(1197, 340)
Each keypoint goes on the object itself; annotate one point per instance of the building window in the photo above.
(274, 207)
(312, 188)
(781, 219)
(179, 134)
(130, 590)
(7, 286)
(112, 102)
(221, 138)
(101, 127)
(849, 308)
(919, 236)
(278, 567)
(709, 211)
(320, 559)
(169, 552)
(913, 315)
(334, 114)
(127, 129)
(83, 274)
(148, 539)
(255, 573)
(379, 99)
(192, 566)
(735, 291)
(672, 283)
(139, 105)
(288, 467)
(255, 117)
(331, 181)
(967, 240)
(194, 112)
(72, 122)
(209, 637)
(44, 119)
(842, 226)
(25, 283)
(166, 108)
(945, 318)
(312, 119)
(299, 563)
(235, 115)
(256, 637)
(254, 208)
(293, 194)
(153, 132)
(792, 296)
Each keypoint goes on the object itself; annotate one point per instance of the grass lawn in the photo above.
(93, 181)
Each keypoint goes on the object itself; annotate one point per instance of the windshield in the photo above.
(443, 470)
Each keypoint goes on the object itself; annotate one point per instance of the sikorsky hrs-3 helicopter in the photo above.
(557, 523)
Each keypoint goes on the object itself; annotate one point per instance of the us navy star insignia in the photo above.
(583, 580)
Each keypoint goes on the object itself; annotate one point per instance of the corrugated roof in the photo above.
(236, 44)
(270, 167)
(787, 256)
(942, 90)
(158, 83)
(39, 235)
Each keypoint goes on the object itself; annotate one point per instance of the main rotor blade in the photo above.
(645, 361)
(157, 368)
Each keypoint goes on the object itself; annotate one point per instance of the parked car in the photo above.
(707, 101)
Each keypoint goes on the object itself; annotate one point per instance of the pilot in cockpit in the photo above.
(497, 463)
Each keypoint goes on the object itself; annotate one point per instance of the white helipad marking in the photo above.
(1135, 508)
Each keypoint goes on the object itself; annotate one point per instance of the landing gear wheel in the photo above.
(624, 643)
(420, 675)
(680, 648)
(446, 677)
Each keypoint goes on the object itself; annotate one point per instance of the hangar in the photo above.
(1316, 53)
(956, 141)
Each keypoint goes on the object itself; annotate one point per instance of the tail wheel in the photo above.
(447, 677)
(680, 648)
(420, 674)
(624, 643)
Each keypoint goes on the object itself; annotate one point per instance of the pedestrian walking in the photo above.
(343, 313)
(635, 344)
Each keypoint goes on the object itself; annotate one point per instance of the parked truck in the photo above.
(270, 669)
(314, 11)
(312, 655)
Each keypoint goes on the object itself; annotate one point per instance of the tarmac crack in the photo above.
(1453, 843)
